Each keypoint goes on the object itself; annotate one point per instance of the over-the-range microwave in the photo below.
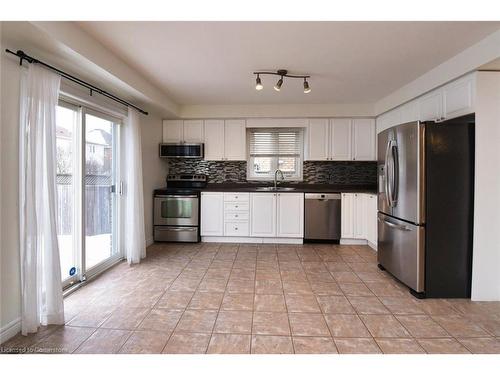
(182, 150)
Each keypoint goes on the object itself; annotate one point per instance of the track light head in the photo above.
(307, 89)
(258, 84)
(278, 84)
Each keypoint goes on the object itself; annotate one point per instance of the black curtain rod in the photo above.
(22, 56)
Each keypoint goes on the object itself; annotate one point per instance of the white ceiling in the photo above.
(350, 62)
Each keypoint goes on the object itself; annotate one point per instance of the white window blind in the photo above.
(275, 148)
(275, 142)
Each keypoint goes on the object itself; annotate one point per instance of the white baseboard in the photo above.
(149, 241)
(372, 245)
(252, 240)
(10, 330)
(352, 241)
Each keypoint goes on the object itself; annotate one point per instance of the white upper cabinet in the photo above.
(363, 139)
(235, 145)
(172, 131)
(337, 139)
(225, 139)
(431, 106)
(319, 139)
(193, 131)
(341, 139)
(408, 112)
(214, 139)
(212, 214)
(290, 212)
(263, 214)
(179, 131)
(454, 99)
(459, 97)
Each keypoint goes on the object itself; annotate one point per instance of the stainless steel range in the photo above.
(177, 208)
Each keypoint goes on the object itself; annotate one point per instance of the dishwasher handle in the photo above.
(322, 197)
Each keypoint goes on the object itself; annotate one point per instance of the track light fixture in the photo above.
(278, 84)
(282, 73)
(307, 89)
(258, 84)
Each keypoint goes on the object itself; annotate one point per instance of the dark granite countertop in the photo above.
(300, 188)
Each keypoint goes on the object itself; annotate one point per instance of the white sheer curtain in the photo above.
(42, 300)
(134, 236)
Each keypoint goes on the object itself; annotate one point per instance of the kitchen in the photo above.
(277, 217)
(345, 204)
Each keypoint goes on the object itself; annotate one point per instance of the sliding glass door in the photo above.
(88, 200)
(100, 203)
(67, 179)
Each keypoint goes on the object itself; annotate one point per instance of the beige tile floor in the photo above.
(230, 298)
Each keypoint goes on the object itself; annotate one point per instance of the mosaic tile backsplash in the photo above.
(315, 172)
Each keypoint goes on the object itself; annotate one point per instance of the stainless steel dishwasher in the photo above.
(322, 217)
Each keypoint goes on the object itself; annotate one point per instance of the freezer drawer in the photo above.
(401, 250)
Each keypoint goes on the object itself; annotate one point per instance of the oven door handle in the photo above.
(179, 229)
(176, 196)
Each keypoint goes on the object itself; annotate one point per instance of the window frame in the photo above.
(299, 176)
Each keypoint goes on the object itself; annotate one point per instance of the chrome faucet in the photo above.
(276, 178)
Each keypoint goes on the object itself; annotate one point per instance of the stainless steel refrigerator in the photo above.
(425, 205)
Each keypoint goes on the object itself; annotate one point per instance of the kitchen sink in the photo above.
(272, 188)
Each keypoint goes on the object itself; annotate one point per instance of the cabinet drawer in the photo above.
(236, 216)
(235, 206)
(233, 228)
(236, 197)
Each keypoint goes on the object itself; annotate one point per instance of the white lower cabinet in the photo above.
(371, 222)
(252, 215)
(290, 214)
(263, 214)
(347, 219)
(212, 214)
(236, 214)
(359, 217)
(281, 215)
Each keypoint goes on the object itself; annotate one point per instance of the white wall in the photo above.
(154, 173)
(486, 253)
(466, 61)
(277, 110)
(154, 169)
(10, 297)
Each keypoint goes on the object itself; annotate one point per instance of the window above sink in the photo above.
(275, 148)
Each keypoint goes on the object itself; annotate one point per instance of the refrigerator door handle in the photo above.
(395, 174)
(396, 226)
(386, 174)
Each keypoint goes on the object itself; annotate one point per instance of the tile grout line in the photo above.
(284, 296)
(395, 317)
(316, 298)
(223, 295)
(154, 305)
(183, 310)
